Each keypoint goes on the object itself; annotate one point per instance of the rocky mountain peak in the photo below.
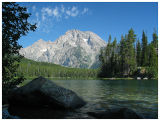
(74, 49)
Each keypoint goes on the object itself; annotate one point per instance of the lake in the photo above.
(138, 95)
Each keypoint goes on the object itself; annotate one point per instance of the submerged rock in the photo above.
(7, 115)
(117, 113)
(41, 92)
(37, 112)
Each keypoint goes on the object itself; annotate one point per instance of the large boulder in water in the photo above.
(43, 92)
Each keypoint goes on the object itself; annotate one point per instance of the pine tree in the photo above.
(122, 54)
(108, 50)
(138, 55)
(109, 39)
(113, 58)
(153, 57)
(152, 62)
(130, 52)
(155, 41)
(104, 57)
(144, 57)
(102, 61)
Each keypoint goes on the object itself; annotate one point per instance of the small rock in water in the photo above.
(138, 78)
(117, 113)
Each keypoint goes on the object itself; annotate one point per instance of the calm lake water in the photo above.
(138, 95)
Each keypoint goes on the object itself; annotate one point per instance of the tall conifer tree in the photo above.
(131, 59)
(144, 57)
(122, 55)
(155, 41)
(138, 55)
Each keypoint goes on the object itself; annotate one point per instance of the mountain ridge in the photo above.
(75, 48)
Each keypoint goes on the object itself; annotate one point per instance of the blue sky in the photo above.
(115, 18)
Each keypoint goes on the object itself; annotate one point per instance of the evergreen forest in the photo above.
(30, 68)
(130, 57)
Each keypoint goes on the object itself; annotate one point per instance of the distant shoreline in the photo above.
(71, 78)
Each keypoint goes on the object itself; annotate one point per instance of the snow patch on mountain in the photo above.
(85, 40)
(43, 50)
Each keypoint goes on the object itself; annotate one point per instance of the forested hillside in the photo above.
(33, 69)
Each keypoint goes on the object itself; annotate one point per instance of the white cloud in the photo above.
(49, 11)
(68, 12)
(45, 12)
(62, 11)
(56, 12)
(85, 10)
(72, 12)
(44, 19)
(74, 8)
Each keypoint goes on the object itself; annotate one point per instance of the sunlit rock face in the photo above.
(73, 49)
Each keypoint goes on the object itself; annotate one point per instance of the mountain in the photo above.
(75, 48)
